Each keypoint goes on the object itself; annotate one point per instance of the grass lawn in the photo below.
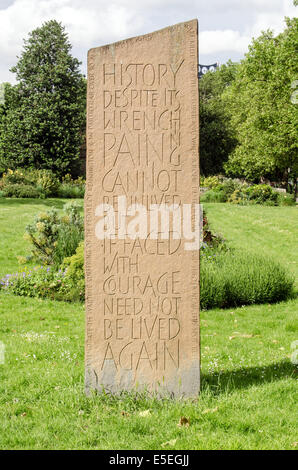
(248, 393)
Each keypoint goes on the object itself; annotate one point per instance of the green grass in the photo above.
(271, 231)
(236, 278)
(15, 214)
(248, 382)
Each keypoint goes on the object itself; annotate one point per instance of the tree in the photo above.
(261, 110)
(217, 139)
(45, 112)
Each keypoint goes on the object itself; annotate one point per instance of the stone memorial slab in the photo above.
(141, 214)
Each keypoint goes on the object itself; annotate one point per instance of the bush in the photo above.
(261, 194)
(66, 283)
(255, 194)
(56, 236)
(210, 182)
(222, 191)
(42, 282)
(75, 273)
(48, 182)
(43, 183)
(238, 197)
(285, 200)
(234, 279)
(70, 188)
(23, 191)
(228, 279)
(15, 177)
(236, 192)
(213, 196)
(67, 191)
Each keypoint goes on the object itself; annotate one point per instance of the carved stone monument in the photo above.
(141, 251)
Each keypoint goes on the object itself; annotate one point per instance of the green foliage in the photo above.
(210, 182)
(261, 111)
(261, 193)
(47, 181)
(285, 200)
(44, 282)
(213, 196)
(247, 397)
(217, 137)
(75, 273)
(238, 197)
(235, 191)
(66, 283)
(22, 191)
(247, 378)
(221, 191)
(67, 191)
(44, 116)
(29, 183)
(71, 188)
(255, 194)
(19, 176)
(40, 183)
(56, 236)
(228, 279)
(234, 279)
(75, 263)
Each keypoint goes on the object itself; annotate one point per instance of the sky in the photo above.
(226, 26)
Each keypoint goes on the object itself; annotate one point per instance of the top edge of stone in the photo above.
(193, 24)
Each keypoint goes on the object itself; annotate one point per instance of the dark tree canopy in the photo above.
(44, 119)
(217, 139)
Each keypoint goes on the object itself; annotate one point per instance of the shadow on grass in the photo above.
(229, 381)
(50, 202)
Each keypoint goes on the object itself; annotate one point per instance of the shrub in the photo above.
(56, 236)
(22, 191)
(43, 183)
(285, 200)
(15, 177)
(238, 197)
(212, 286)
(75, 273)
(75, 264)
(67, 191)
(229, 186)
(70, 188)
(236, 192)
(234, 279)
(66, 283)
(255, 194)
(221, 192)
(210, 182)
(213, 196)
(228, 279)
(261, 194)
(42, 282)
(48, 181)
